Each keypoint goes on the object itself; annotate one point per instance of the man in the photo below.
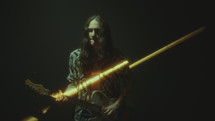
(96, 55)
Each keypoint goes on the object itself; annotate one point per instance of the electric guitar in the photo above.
(98, 98)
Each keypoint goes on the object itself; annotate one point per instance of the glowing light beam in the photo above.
(90, 81)
(94, 79)
(176, 42)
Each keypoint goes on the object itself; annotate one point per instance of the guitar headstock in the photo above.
(37, 87)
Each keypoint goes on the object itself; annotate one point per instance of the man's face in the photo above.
(94, 30)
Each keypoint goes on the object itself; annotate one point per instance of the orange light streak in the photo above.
(92, 80)
(176, 42)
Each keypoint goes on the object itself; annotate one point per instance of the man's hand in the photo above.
(111, 108)
(59, 96)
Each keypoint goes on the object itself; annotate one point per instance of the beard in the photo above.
(98, 47)
(92, 55)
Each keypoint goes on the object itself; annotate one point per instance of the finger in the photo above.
(105, 108)
(109, 112)
(64, 99)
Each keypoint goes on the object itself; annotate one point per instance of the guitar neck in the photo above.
(43, 91)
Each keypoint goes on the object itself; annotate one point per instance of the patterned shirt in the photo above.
(112, 85)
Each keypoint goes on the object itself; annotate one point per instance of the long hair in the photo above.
(104, 58)
(87, 56)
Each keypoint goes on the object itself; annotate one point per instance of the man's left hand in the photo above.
(111, 108)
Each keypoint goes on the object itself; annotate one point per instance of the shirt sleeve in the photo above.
(74, 66)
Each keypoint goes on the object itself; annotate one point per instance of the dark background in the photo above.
(39, 35)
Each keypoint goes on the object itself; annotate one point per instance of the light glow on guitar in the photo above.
(90, 81)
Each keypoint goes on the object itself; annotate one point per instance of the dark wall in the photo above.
(39, 35)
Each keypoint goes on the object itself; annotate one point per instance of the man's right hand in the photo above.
(59, 96)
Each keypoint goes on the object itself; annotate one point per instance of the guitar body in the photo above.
(100, 99)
